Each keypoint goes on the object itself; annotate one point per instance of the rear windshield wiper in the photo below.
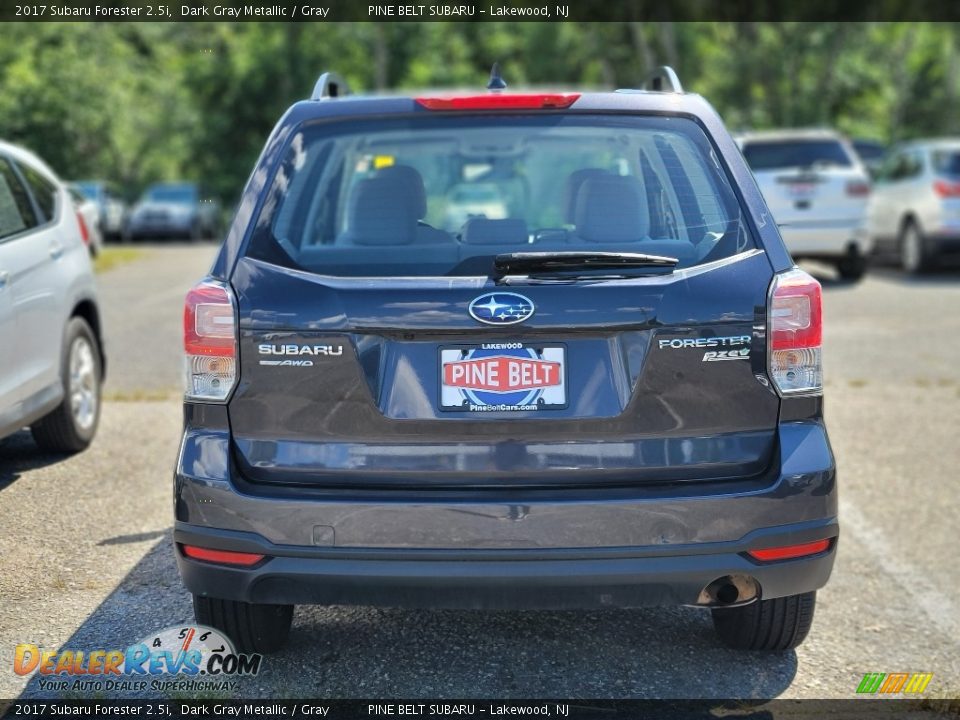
(579, 264)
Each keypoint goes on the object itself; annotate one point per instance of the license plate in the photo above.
(802, 191)
(503, 377)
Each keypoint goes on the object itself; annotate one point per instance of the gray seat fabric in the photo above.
(417, 196)
(571, 188)
(387, 208)
(481, 231)
(380, 212)
(612, 209)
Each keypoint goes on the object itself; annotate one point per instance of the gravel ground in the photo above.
(87, 560)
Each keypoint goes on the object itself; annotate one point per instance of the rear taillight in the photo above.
(794, 333)
(500, 101)
(210, 341)
(84, 232)
(946, 188)
(858, 188)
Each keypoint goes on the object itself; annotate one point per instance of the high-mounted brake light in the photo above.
(210, 341)
(500, 101)
(225, 557)
(795, 333)
(946, 188)
(787, 552)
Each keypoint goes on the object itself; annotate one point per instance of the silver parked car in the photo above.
(817, 188)
(169, 210)
(914, 213)
(51, 354)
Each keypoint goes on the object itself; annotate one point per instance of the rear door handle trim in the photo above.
(56, 250)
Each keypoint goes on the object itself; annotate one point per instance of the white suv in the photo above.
(915, 209)
(51, 353)
(817, 189)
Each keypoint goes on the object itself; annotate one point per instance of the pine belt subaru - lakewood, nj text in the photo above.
(609, 394)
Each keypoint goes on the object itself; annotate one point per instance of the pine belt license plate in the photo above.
(503, 377)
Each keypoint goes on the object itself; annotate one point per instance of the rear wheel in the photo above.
(915, 255)
(775, 625)
(71, 427)
(852, 266)
(252, 627)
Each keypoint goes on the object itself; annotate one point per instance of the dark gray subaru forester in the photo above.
(505, 351)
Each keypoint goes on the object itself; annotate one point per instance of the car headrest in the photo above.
(572, 187)
(380, 213)
(612, 209)
(481, 231)
(412, 181)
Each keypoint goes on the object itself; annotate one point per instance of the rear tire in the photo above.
(853, 266)
(253, 628)
(775, 625)
(72, 425)
(915, 255)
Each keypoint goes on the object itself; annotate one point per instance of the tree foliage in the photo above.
(138, 102)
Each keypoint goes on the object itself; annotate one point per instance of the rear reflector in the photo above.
(787, 552)
(209, 340)
(225, 557)
(794, 333)
(496, 101)
(946, 188)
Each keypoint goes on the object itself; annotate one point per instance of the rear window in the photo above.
(779, 154)
(184, 194)
(442, 196)
(947, 162)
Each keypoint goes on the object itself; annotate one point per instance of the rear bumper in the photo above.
(557, 579)
(567, 548)
(826, 239)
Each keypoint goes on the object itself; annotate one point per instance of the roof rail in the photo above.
(663, 79)
(330, 85)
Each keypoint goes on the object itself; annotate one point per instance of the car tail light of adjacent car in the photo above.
(946, 188)
(794, 333)
(210, 341)
(858, 188)
(84, 231)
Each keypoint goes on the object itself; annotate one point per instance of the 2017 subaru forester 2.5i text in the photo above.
(609, 397)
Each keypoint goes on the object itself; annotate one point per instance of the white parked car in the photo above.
(914, 213)
(817, 189)
(89, 217)
(51, 354)
(474, 200)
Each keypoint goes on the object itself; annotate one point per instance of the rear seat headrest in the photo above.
(380, 213)
(481, 231)
(571, 189)
(412, 181)
(612, 209)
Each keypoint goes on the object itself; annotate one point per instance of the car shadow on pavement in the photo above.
(19, 453)
(351, 652)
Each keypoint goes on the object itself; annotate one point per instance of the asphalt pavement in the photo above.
(87, 560)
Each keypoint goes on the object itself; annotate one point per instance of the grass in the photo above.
(111, 257)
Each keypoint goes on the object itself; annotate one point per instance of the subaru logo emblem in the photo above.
(501, 308)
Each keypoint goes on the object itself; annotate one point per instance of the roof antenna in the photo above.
(496, 82)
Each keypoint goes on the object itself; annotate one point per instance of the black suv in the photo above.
(596, 384)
